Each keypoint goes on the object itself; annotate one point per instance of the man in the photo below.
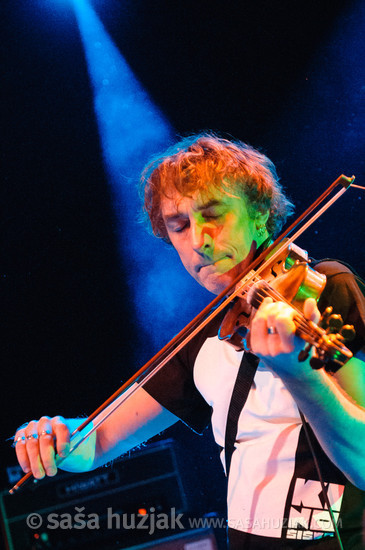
(219, 203)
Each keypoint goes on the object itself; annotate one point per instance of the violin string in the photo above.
(311, 330)
(302, 324)
(300, 320)
(300, 316)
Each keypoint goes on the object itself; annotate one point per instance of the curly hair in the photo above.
(204, 161)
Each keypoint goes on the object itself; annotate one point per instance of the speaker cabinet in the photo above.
(81, 511)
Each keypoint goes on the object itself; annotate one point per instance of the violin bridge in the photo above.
(244, 285)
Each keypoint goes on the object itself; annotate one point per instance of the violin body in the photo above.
(289, 274)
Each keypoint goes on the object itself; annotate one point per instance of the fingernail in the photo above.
(51, 471)
(64, 450)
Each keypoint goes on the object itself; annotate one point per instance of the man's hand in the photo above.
(273, 328)
(36, 444)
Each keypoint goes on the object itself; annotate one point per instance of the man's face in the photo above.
(213, 234)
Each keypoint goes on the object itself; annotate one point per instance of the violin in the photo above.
(282, 272)
(292, 280)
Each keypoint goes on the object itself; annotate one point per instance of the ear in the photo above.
(261, 218)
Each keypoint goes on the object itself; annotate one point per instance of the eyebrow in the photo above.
(205, 206)
(209, 204)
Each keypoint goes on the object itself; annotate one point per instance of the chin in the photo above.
(216, 284)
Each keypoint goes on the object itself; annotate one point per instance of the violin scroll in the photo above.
(335, 336)
(326, 339)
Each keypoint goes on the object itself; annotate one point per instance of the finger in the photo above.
(265, 317)
(32, 447)
(280, 329)
(311, 311)
(21, 450)
(286, 332)
(258, 334)
(265, 302)
(62, 434)
(46, 445)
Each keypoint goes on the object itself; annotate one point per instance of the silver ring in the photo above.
(32, 436)
(44, 432)
(18, 439)
(271, 330)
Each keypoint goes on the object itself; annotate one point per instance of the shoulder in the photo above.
(341, 280)
(345, 292)
(330, 268)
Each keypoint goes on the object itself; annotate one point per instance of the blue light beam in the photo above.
(132, 129)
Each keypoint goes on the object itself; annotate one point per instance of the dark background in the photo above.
(286, 76)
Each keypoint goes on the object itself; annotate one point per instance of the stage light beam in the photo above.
(131, 130)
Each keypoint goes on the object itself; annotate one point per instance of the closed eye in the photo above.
(180, 228)
(177, 227)
(212, 215)
(213, 211)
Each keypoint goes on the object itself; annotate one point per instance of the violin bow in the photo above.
(201, 320)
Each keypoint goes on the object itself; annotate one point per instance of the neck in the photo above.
(264, 244)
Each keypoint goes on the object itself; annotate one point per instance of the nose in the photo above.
(201, 238)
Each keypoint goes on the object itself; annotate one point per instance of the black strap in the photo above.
(245, 376)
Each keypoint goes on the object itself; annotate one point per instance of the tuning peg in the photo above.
(304, 353)
(334, 323)
(348, 332)
(323, 322)
(324, 317)
(316, 362)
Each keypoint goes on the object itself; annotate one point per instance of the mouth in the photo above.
(199, 267)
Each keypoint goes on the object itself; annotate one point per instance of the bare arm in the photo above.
(135, 421)
(336, 419)
(333, 405)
